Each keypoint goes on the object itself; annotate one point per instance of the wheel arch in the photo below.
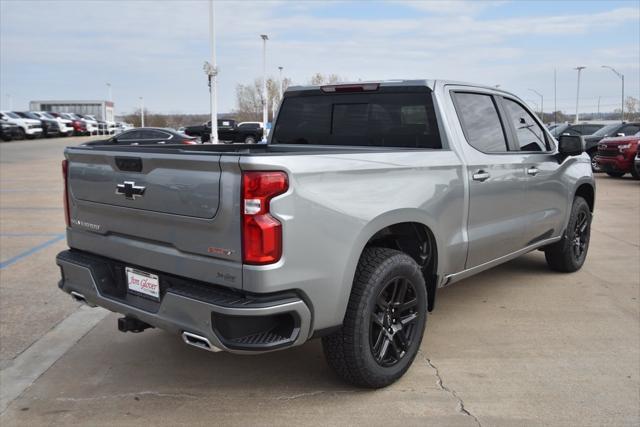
(409, 231)
(588, 192)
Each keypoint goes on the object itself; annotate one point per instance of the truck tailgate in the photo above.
(178, 214)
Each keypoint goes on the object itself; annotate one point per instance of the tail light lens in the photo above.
(261, 232)
(189, 141)
(65, 174)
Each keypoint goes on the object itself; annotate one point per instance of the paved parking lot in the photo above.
(517, 345)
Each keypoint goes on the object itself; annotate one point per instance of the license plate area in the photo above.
(143, 283)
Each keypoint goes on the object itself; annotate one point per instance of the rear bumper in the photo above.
(231, 321)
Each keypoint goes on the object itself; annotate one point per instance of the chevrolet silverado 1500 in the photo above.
(367, 199)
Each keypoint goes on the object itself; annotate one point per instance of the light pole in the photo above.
(281, 82)
(264, 38)
(211, 70)
(555, 96)
(621, 78)
(580, 68)
(141, 112)
(541, 103)
(109, 92)
(10, 101)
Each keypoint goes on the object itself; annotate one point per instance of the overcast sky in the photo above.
(155, 49)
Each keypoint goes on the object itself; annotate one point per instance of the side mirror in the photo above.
(620, 134)
(571, 145)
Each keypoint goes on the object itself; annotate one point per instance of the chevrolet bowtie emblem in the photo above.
(130, 190)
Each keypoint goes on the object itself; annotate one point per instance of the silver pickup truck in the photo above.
(367, 199)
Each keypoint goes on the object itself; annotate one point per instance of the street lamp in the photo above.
(580, 68)
(141, 111)
(621, 78)
(264, 38)
(109, 91)
(281, 82)
(211, 70)
(541, 103)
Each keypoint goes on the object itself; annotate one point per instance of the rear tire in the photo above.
(616, 174)
(568, 255)
(249, 140)
(21, 133)
(635, 173)
(384, 322)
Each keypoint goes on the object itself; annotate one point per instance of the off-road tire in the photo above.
(348, 351)
(561, 256)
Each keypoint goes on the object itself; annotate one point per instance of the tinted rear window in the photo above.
(376, 119)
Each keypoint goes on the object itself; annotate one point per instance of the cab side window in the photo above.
(630, 130)
(529, 135)
(480, 122)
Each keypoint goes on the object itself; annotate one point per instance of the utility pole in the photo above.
(580, 68)
(622, 79)
(555, 96)
(281, 84)
(599, 106)
(141, 112)
(211, 70)
(265, 96)
(541, 104)
(109, 92)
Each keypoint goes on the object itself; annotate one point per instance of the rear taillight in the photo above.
(189, 141)
(65, 175)
(261, 232)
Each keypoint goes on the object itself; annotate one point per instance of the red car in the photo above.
(616, 155)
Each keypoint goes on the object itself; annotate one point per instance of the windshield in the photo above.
(404, 119)
(48, 116)
(607, 130)
(12, 115)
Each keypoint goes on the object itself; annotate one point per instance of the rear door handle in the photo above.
(481, 176)
(533, 171)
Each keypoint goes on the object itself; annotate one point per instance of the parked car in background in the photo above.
(79, 125)
(615, 129)
(28, 128)
(8, 130)
(583, 129)
(616, 155)
(121, 127)
(146, 136)
(229, 131)
(92, 124)
(50, 127)
(65, 125)
(636, 162)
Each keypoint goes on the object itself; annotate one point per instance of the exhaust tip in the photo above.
(78, 297)
(198, 341)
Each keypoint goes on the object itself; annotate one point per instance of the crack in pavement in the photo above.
(460, 407)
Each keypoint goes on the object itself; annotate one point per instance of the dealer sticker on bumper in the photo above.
(143, 283)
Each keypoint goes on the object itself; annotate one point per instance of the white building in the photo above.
(102, 110)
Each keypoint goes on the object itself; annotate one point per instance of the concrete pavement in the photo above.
(516, 345)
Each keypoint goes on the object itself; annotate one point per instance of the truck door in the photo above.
(496, 218)
(546, 199)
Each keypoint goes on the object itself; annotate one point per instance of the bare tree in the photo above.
(321, 79)
(631, 107)
(249, 99)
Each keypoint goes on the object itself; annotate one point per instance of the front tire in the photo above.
(249, 140)
(568, 255)
(384, 322)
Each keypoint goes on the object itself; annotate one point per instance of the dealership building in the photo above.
(102, 110)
